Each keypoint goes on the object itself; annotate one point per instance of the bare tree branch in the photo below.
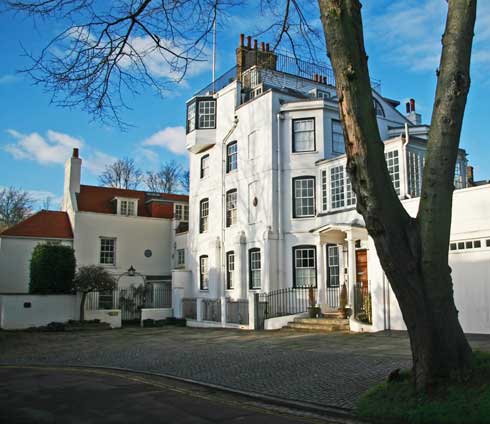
(122, 174)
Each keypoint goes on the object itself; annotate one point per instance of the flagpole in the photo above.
(214, 49)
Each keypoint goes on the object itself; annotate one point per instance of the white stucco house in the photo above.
(112, 227)
(271, 207)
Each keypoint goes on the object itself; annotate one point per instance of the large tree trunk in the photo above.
(413, 251)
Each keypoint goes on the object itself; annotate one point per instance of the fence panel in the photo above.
(211, 310)
(237, 311)
(288, 301)
(333, 297)
(189, 308)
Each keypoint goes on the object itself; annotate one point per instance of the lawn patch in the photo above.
(459, 403)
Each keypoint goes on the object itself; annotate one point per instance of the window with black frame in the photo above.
(304, 266)
(304, 135)
(203, 215)
(230, 270)
(303, 197)
(204, 272)
(201, 114)
(231, 207)
(204, 166)
(231, 156)
(255, 268)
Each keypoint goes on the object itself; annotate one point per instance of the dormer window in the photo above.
(127, 207)
(181, 212)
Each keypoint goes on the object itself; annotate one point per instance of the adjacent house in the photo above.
(272, 211)
(116, 228)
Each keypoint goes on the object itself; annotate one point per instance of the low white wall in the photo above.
(213, 324)
(111, 316)
(156, 314)
(21, 311)
(279, 322)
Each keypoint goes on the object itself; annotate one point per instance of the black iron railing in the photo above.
(362, 303)
(288, 301)
(237, 311)
(219, 83)
(189, 308)
(333, 297)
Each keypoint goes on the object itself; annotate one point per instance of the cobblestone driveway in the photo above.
(328, 369)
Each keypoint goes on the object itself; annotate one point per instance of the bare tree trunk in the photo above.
(412, 252)
(82, 306)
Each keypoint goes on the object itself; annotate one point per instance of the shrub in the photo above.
(52, 269)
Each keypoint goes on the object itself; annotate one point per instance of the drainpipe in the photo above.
(280, 117)
(405, 161)
(223, 205)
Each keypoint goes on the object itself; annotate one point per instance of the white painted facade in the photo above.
(259, 118)
(15, 257)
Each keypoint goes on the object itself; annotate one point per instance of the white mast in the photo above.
(214, 48)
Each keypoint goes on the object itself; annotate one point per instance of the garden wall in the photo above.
(21, 311)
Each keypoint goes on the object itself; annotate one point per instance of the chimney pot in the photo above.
(412, 105)
(324, 80)
(267, 47)
(255, 44)
(407, 106)
(249, 41)
(75, 152)
(242, 39)
(262, 46)
(315, 77)
(470, 174)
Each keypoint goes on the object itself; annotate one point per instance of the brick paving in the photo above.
(328, 369)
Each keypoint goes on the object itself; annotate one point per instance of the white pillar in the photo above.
(199, 309)
(177, 299)
(320, 272)
(351, 254)
(223, 311)
(241, 273)
(251, 311)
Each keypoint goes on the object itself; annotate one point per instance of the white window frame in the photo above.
(102, 251)
(333, 264)
(127, 207)
(204, 166)
(206, 110)
(232, 158)
(324, 183)
(178, 211)
(185, 218)
(392, 158)
(337, 187)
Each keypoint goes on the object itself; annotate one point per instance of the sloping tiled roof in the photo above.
(43, 224)
(101, 200)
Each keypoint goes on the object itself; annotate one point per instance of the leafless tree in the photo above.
(15, 206)
(123, 173)
(47, 203)
(166, 180)
(184, 180)
(101, 62)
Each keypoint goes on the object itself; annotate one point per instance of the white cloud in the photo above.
(170, 138)
(7, 79)
(54, 148)
(409, 32)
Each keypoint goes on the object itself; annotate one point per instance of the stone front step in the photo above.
(324, 325)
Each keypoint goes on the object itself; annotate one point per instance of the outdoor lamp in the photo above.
(131, 271)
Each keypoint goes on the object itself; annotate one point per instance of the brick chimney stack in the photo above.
(248, 56)
(414, 117)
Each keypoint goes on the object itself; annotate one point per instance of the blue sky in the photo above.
(403, 44)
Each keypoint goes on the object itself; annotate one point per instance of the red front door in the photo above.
(361, 268)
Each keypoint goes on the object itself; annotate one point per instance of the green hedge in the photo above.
(52, 269)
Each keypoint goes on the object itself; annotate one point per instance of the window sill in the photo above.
(304, 217)
(233, 171)
(306, 152)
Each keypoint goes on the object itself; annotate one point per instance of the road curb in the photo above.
(340, 415)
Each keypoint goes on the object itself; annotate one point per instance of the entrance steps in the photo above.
(329, 323)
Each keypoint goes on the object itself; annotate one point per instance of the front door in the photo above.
(361, 268)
